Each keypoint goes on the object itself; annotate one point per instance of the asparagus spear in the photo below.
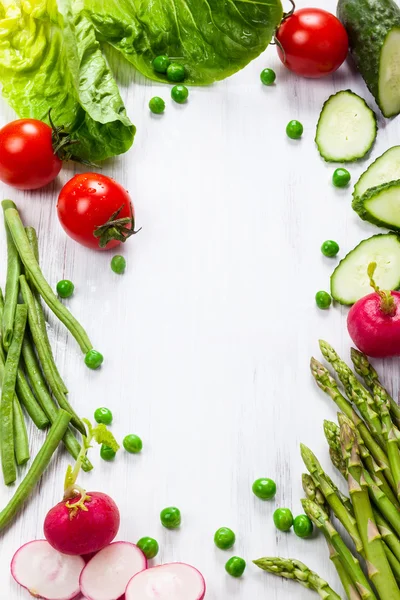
(364, 368)
(392, 449)
(351, 564)
(313, 493)
(293, 569)
(382, 502)
(355, 391)
(379, 569)
(387, 533)
(374, 469)
(327, 383)
(348, 521)
(348, 585)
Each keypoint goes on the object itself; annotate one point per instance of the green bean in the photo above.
(33, 241)
(7, 397)
(37, 469)
(12, 283)
(46, 402)
(31, 265)
(23, 390)
(21, 442)
(44, 357)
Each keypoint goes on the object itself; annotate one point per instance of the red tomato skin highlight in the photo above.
(372, 331)
(315, 42)
(87, 201)
(27, 159)
(86, 532)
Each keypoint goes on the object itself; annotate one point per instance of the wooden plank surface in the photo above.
(208, 335)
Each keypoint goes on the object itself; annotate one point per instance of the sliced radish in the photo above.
(175, 581)
(46, 573)
(107, 574)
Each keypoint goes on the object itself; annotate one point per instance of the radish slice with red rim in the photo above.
(174, 581)
(46, 573)
(107, 574)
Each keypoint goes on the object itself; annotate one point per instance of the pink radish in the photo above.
(46, 573)
(83, 524)
(107, 574)
(175, 581)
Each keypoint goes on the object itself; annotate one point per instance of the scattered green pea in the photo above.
(157, 105)
(132, 443)
(176, 72)
(323, 300)
(235, 566)
(103, 415)
(179, 93)
(93, 359)
(330, 248)
(65, 288)
(264, 488)
(118, 264)
(171, 517)
(268, 76)
(294, 130)
(161, 63)
(149, 546)
(283, 519)
(107, 453)
(224, 538)
(341, 177)
(302, 526)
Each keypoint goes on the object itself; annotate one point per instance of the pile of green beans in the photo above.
(31, 385)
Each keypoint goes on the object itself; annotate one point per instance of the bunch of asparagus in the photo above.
(29, 379)
(364, 447)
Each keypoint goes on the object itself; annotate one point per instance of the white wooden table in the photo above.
(208, 335)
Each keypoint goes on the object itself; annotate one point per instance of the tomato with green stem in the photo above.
(312, 42)
(96, 211)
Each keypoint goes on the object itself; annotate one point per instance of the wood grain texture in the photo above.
(208, 335)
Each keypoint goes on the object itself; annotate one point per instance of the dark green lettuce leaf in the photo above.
(212, 38)
(50, 58)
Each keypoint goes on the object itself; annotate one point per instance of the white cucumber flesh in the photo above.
(346, 128)
(384, 169)
(389, 74)
(350, 281)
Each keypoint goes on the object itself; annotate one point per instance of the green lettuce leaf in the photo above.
(212, 38)
(50, 59)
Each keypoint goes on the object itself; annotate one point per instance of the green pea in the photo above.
(341, 177)
(157, 105)
(103, 415)
(235, 566)
(302, 526)
(323, 300)
(283, 519)
(330, 248)
(294, 130)
(107, 453)
(65, 288)
(132, 443)
(224, 538)
(118, 264)
(171, 517)
(179, 93)
(149, 546)
(93, 359)
(268, 76)
(176, 72)
(161, 63)
(265, 489)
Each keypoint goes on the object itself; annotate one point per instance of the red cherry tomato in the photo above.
(314, 42)
(89, 201)
(27, 158)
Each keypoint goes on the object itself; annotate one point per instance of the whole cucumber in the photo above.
(373, 27)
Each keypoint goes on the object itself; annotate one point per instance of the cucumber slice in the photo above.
(346, 128)
(350, 282)
(381, 205)
(386, 168)
(373, 27)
